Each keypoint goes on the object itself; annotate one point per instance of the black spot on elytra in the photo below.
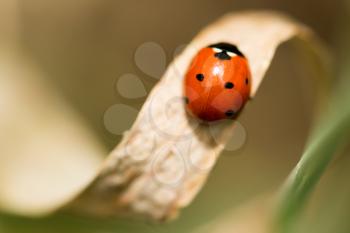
(222, 55)
(230, 113)
(229, 85)
(186, 100)
(228, 48)
(246, 81)
(200, 77)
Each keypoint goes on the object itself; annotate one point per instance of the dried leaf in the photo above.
(164, 160)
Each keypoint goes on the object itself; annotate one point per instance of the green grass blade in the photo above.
(310, 168)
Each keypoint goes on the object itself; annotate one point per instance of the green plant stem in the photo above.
(310, 168)
(332, 132)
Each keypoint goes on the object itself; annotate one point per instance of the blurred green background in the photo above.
(84, 46)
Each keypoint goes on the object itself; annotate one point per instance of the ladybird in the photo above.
(217, 83)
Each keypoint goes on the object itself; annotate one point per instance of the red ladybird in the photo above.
(217, 83)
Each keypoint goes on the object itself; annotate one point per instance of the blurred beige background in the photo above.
(84, 46)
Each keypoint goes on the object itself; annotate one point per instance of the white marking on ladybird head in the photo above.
(231, 54)
(217, 50)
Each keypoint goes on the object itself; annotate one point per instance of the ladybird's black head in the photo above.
(228, 48)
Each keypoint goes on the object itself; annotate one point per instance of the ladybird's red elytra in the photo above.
(217, 83)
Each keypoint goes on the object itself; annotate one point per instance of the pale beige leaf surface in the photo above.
(47, 154)
(50, 161)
